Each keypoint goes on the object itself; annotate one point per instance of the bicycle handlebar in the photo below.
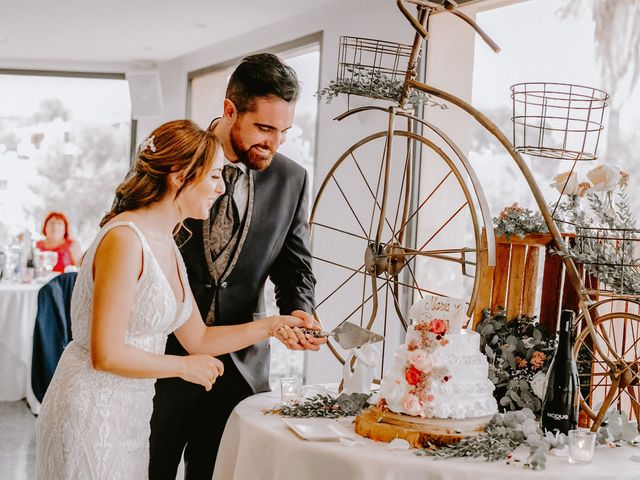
(449, 6)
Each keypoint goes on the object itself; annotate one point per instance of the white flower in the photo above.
(604, 178)
(538, 384)
(148, 143)
(572, 186)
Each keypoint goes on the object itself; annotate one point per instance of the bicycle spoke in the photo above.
(402, 185)
(340, 230)
(443, 226)
(348, 204)
(355, 272)
(375, 198)
(377, 187)
(424, 202)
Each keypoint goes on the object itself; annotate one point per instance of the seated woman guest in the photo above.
(131, 292)
(56, 232)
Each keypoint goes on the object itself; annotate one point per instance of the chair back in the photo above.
(52, 331)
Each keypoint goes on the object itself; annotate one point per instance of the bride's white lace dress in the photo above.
(95, 425)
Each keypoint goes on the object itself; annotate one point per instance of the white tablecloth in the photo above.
(18, 307)
(261, 447)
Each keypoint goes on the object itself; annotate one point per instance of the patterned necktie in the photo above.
(225, 217)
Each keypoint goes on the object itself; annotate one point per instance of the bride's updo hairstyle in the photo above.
(179, 146)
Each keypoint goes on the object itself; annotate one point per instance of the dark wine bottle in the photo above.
(560, 404)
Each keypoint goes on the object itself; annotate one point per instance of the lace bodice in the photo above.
(94, 424)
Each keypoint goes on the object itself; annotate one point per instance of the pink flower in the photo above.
(430, 398)
(444, 342)
(439, 326)
(420, 359)
(537, 360)
(413, 376)
(411, 405)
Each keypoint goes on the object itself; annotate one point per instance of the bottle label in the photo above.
(558, 416)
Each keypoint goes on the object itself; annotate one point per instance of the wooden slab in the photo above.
(516, 280)
(500, 277)
(484, 290)
(530, 281)
(385, 426)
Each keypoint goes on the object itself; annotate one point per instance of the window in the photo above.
(207, 90)
(64, 146)
(563, 52)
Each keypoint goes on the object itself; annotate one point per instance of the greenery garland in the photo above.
(326, 406)
(372, 83)
(507, 431)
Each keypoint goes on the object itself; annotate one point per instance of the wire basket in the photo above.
(372, 68)
(611, 257)
(557, 120)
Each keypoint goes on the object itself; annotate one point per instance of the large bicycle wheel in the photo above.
(430, 241)
(611, 381)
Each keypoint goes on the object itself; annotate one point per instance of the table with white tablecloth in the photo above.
(18, 308)
(261, 447)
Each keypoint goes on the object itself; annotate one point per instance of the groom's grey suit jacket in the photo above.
(274, 243)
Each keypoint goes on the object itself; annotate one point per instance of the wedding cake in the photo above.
(439, 373)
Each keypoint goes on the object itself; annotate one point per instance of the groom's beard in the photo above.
(249, 156)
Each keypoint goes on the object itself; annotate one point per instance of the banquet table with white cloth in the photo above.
(262, 447)
(18, 308)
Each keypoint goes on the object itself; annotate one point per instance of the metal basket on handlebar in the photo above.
(611, 257)
(372, 68)
(557, 120)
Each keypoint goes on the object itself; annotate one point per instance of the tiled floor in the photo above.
(17, 441)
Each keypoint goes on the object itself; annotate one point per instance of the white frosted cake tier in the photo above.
(448, 381)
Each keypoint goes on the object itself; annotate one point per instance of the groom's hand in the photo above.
(308, 342)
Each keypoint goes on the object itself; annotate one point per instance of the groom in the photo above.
(257, 230)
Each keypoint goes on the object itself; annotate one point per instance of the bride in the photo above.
(131, 292)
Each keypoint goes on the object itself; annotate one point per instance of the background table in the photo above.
(18, 308)
(257, 446)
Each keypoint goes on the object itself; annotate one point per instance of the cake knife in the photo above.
(347, 335)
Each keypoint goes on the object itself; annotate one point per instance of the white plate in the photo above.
(318, 429)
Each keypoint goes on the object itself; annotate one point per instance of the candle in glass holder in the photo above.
(290, 389)
(581, 446)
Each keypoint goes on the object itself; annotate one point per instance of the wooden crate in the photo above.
(513, 283)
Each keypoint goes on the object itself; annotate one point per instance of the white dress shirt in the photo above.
(241, 190)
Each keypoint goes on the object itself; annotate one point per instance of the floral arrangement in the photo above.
(326, 406)
(372, 83)
(519, 354)
(507, 431)
(611, 255)
(518, 221)
(419, 372)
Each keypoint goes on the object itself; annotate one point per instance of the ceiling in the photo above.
(131, 31)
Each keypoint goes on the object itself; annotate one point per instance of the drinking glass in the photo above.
(290, 389)
(581, 446)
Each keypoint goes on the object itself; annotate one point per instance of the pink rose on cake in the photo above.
(439, 326)
(411, 405)
(419, 359)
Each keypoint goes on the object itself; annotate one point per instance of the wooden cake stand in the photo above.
(384, 426)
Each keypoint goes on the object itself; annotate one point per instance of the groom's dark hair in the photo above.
(261, 75)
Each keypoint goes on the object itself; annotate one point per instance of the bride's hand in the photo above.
(287, 329)
(201, 369)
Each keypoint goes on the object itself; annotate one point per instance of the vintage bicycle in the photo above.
(404, 256)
